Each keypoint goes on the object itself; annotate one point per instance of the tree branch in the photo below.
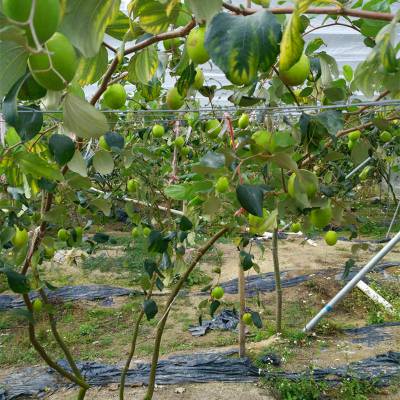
(183, 31)
(171, 298)
(316, 10)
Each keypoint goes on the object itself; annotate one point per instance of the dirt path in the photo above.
(203, 391)
(297, 255)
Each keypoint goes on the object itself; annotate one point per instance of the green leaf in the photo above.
(292, 42)
(143, 65)
(90, 70)
(62, 148)
(27, 121)
(348, 72)
(150, 309)
(260, 225)
(153, 16)
(186, 79)
(12, 33)
(185, 224)
(241, 45)
(103, 162)
(78, 182)
(329, 68)
(103, 205)
(250, 198)
(12, 65)
(85, 22)
(255, 316)
(186, 191)
(114, 140)
(360, 151)
(314, 45)
(82, 118)
(214, 307)
(18, 283)
(204, 10)
(157, 242)
(32, 164)
(100, 237)
(246, 260)
(285, 161)
(77, 164)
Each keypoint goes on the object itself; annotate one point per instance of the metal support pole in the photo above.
(393, 219)
(350, 285)
(363, 164)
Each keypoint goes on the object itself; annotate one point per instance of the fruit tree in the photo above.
(89, 123)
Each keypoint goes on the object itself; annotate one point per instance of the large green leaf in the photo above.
(18, 283)
(32, 164)
(90, 70)
(153, 16)
(143, 65)
(204, 10)
(27, 121)
(251, 198)
(85, 22)
(13, 58)
(103, 205)
(150, 309)
(241, 45)
(103, 162)
(82, 118)
(62, 147)
(77, 164)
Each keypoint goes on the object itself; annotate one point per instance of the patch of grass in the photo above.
(131, 260)
(307, 388)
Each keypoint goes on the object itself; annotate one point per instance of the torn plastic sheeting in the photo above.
(371, 334)
(226, 320)
(68, 293)
(380, 370)
(255, 283)
(197, 368)
(265, 282)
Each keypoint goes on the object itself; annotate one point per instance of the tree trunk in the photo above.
(278, 286)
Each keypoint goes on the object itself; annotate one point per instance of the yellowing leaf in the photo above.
(90, 70)
(143, 65)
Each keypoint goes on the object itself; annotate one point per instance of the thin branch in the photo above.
(110, 47)
(134, 341)
(183, 31)
(316, 10)
(161, 325)
(287, 86)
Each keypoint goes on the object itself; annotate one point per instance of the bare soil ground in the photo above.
(110, 337)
